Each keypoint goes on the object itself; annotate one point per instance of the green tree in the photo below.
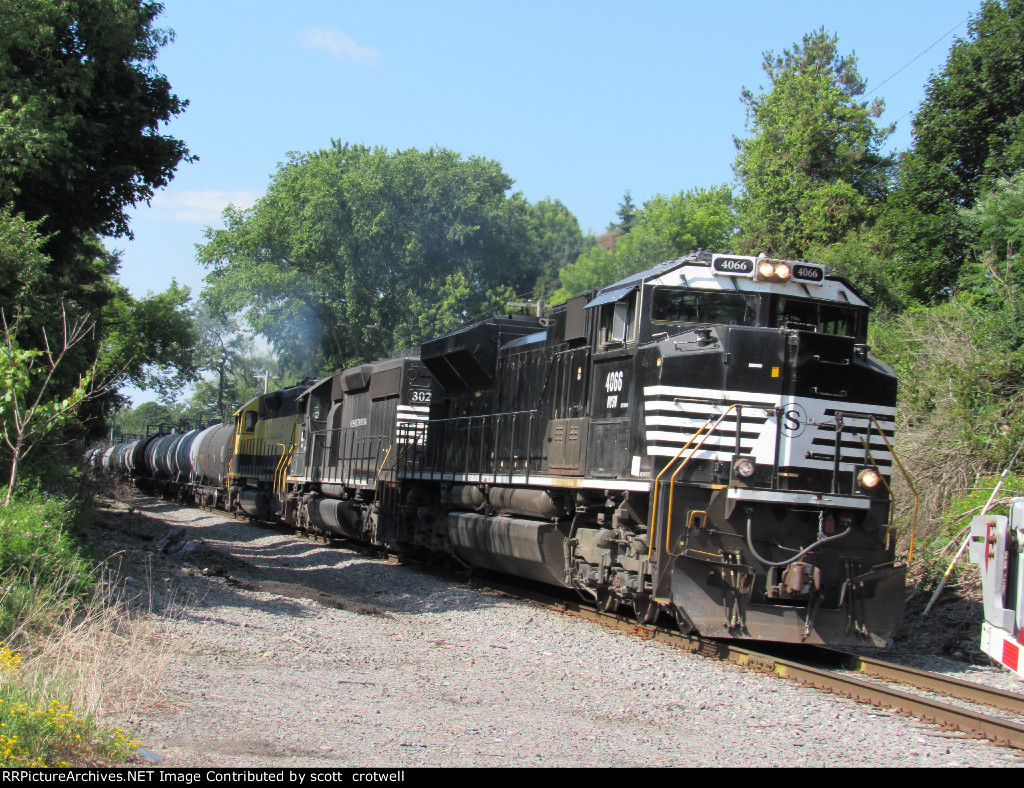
(81, 111)
(150, 341)
(968, 133)
(864, 257)
(812, 169)
(22, 261)
(627, 214)
(29, 407)
(329, 260)
(961, 361)
(556, 241)
(996, 223)
(230, 362)
(81, 106)
(664, 228)
(138, 421)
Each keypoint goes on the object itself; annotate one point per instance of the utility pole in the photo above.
(265, 377)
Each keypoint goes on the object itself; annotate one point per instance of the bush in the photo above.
(41, 567)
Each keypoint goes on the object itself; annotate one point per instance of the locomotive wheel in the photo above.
(607, 602)
(646, 609)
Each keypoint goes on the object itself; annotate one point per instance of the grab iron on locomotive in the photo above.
(709, 439)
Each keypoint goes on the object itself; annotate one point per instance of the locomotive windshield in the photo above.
(682, 305)
(825, 318)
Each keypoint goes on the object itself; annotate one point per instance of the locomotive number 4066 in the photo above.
(613, 383)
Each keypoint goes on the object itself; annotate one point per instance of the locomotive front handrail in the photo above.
(658, 478)
(906, 478)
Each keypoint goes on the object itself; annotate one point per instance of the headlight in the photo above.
(744, 468)
(769, 270)
(868, 478)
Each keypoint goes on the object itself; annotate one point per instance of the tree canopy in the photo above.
(354, 251)
(812, 170)
(968, 133)
(80, 115)
(664, 228)
(81, 111)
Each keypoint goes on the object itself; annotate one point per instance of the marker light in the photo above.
(868, 478)
(744, 468)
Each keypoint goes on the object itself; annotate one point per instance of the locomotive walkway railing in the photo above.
(484, 448)
(343, 456)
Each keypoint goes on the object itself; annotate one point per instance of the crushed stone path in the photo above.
(292, 654)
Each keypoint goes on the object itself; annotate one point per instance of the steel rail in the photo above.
(1011, 702)
(971, 722)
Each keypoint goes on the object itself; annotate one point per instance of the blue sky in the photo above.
(579, 101)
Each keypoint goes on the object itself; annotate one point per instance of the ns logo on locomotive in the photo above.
(709, 440)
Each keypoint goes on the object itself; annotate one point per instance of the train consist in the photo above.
(709, 439)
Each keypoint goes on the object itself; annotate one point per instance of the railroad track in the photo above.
(863, 679)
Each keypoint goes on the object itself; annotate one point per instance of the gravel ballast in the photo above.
(294, 654)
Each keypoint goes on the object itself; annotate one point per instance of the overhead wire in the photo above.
(918, 56)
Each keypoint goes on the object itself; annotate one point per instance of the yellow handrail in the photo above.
(657, 479)
(906, 478)
(279, 469)
(384, 461)
(671, 499)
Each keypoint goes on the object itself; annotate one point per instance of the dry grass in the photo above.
(107, 661)
(940, 466)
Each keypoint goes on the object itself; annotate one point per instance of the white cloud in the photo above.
(332, 40)
(200, 206)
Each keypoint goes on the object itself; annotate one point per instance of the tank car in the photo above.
(208, 463)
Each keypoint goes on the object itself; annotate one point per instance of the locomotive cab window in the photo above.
(250, 421)
(681, 305)
(617, 324)
(824, 318)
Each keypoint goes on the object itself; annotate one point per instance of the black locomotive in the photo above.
(709, 439)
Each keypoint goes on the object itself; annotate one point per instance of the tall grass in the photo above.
(70, 652)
